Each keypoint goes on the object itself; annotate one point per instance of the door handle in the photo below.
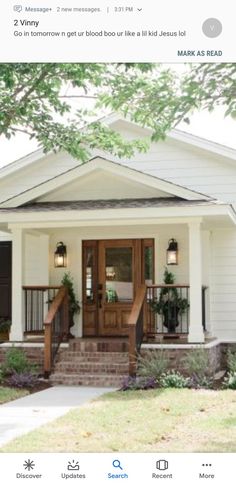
(100, 300)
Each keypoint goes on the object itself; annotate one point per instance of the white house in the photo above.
(109, 213)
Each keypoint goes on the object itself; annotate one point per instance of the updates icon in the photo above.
(73, 465)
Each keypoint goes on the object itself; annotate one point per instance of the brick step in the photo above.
(87, 380)
(93, 345)
(92, 368)
(78, 356)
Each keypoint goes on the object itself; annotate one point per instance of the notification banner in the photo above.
(114, 31)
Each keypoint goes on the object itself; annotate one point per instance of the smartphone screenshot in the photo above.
(117, 242)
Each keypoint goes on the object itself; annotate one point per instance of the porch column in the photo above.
(17, 327)
(196, 334)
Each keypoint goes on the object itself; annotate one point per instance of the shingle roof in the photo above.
(106, 204)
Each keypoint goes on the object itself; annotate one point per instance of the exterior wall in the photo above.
(185, 165)
(223, 283)
(172, 160)
(36, 260)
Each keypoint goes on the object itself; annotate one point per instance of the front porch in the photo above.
(116, 259)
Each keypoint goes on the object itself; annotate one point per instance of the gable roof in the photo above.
(81, 170)
(24, 180)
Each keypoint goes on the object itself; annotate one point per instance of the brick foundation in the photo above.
(80, 365)
(34, 354)
(176, 357)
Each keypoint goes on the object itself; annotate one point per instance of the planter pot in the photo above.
(170, 320)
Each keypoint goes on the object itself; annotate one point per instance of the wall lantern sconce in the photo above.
(172, 252)
(60, 255)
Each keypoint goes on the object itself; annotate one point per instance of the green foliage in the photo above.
(16, 361)
(153, 364)
(36, 99)
(138, 383)
(170, 98)
(230, 381)
(169, 297)
(196, 362)
(5, 325)
(1, 375)
(21, 380)
(231, 362)
(67, 281)
(173, 379)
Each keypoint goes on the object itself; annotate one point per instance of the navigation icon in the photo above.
(29, 465)
(73, 465)
(212, 27)
(162, 465)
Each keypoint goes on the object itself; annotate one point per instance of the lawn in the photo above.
(171, 420)
(9, 394)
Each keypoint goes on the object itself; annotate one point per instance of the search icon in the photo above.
(116, 464)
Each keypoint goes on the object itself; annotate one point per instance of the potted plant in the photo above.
(169, 304)
(74, 306)
(5, 326)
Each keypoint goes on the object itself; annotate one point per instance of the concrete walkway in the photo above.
(27, 413)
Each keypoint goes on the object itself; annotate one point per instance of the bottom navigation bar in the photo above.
(102, 468)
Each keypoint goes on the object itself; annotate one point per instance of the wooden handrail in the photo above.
(55, 305)
(60, 301)
(137, 305)
(168, 286)
(132, 324)
(41, 287)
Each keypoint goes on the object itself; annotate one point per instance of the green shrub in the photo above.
(196, 363)
(174, 379)
(1, 375)
(231, 362)
(154, 364)
(22, 380)
(138, 383)
(230, 381)
(16, 361)
(201, 382)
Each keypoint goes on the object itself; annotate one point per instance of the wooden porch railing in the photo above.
(173, 319)
(37, 301)
(56, 326)
(145, 321)
(136, 327)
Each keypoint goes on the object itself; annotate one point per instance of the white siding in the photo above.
(102, 185)
(36, 260)
(223, 283)
(171, 160)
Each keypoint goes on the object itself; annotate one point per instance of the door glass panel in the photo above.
(148, 265)
(89, 275)
(119, 274)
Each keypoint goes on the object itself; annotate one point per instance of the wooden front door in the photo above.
(5, 280)
(112, 272)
